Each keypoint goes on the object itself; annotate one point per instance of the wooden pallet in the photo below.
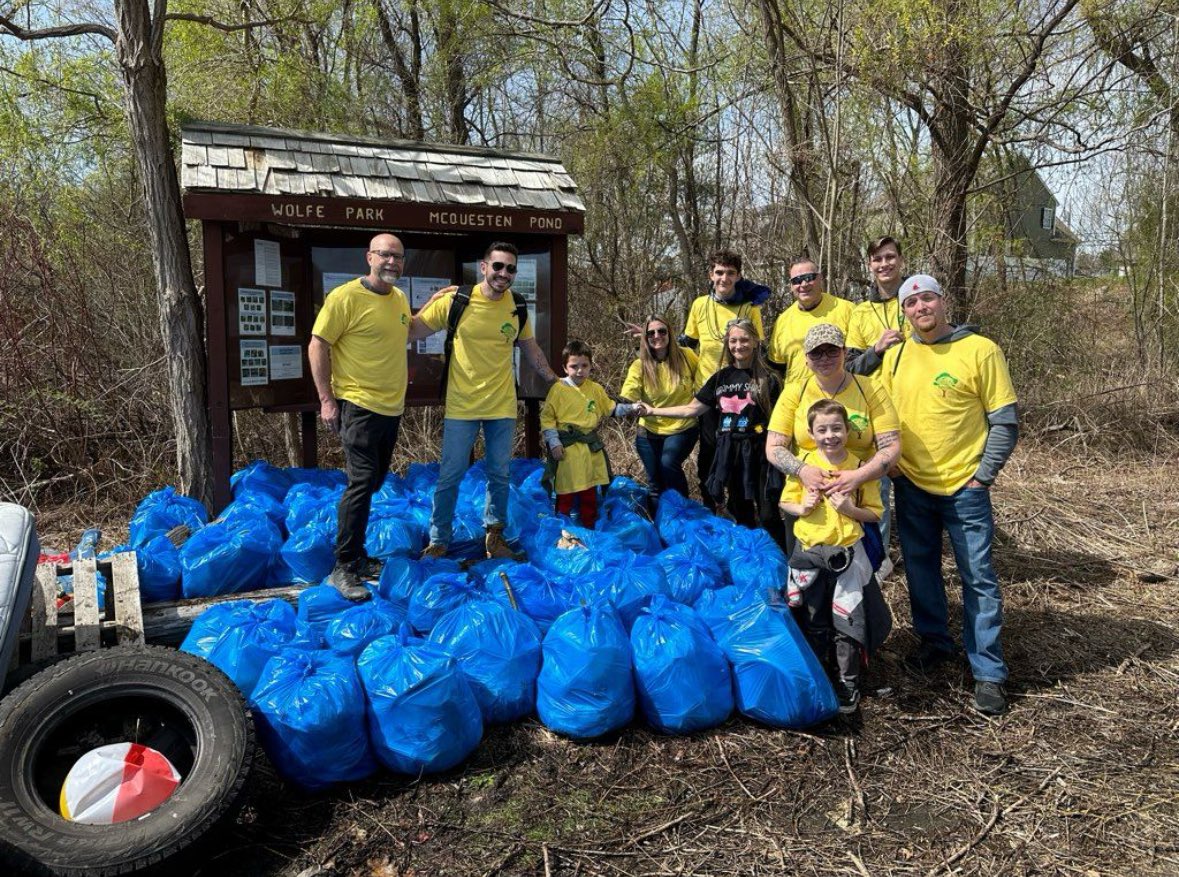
(82, 625)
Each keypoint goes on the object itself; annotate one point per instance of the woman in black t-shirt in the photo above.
(742, 395)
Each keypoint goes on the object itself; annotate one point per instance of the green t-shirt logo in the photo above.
(508, 331)
(404, 319)
(591, 405)
(945, 382)
(858, 422)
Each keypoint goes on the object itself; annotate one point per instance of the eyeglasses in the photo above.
(510, 267)
(656, 333)
(827, 351)
(799, 279)
(388, 255)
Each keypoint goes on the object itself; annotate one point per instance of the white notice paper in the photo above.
(525, 282)
(267, 263)
(331, 280)
(251, 311)
(286, 362)
(282, 312)
(254, 372)
(420, 290)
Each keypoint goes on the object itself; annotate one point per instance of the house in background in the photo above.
(1018, 230)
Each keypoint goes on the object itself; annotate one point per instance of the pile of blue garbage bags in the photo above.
(676, 621)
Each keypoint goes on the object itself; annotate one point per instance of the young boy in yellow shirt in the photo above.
(569, 422)
(829, 539)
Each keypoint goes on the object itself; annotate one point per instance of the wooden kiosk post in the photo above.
(287, 216)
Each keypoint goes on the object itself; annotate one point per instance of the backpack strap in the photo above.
(521, 310)
(458, 304)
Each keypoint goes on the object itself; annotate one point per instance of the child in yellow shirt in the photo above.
(569, 421)
(830, 567)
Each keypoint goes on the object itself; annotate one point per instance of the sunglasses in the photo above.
(827, 351)
(510, 267)
(799, 279)
(656, 333)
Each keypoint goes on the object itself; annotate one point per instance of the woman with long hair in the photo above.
(742, 393)
(663, 375)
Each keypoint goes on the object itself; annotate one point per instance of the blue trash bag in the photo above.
(532, 487)
(624, 494)
(676, 517)
(520, 468)
(717, 607)
(160, 511)
(393, 489)
(755, 560)
(635, 532)
(585, 687)
(777, 678)
(525, 513)
(240, 636)
(421, 478)
(388, 536)
(229, 557)
(309, 709)
(350, 631)
(402, 576)
(436, 596)
(597, 551)
(690, 571)
(318, 605)
(536, 595)
(498, 650)
(311, 503)
(260, 477)
(422, 714)
(681, 676)
(258, 503)
(309, 636)
(628, 584)
(334, 479)
(310, 553)
(158, 563)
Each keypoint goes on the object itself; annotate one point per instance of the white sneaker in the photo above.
(885, 570)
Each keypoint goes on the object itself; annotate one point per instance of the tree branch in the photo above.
(7, 25)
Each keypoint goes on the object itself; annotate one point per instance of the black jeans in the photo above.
(708, 423)
(761, 512)
(368, 439)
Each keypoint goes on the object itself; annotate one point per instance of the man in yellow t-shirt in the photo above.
(878, 324)
(812, 305)
(957, 408)
(480, 393)
(731, 297)
(357, 355)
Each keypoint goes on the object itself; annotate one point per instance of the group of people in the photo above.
(805, 431)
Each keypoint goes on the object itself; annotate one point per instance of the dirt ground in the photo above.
(1081, 777)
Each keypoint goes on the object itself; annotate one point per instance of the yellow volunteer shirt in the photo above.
(824, 525)
(868, 409)
(942, 393)
(482, 381)
(368, 333)
(790, 328)
(664, 395)
(707, 320)
(869, 319)
(582, 407)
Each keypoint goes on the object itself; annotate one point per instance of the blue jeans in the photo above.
(967, 517)
(458, 438)
(663, 457)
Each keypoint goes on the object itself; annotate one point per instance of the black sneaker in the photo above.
(346, 580)
(369, 568)
(849, 697)
(990, 699)
(928, 657)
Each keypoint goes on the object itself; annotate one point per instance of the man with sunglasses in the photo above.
(480, 393)
(878, 323)
(357, 355)
(812, 305)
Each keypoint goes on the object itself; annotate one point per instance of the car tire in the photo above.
(171, 701)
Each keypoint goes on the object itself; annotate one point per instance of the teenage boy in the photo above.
(829, 567)
(878, 323)
(957, 408)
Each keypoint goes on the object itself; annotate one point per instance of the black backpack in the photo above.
(458, 304)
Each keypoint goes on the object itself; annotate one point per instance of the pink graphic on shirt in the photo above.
(735, 404)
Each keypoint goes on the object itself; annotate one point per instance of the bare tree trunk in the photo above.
(409, 70)
(138, 48)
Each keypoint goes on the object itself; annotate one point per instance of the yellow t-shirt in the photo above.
(790, 328)
(707, 320)
(824, 525)
(368, 333)
(869, 319)
(582, 407)
(942, 393)
(482, 380)
(662, 395)
(868, 409)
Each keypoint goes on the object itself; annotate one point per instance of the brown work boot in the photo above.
(434, 550)
(497, 546)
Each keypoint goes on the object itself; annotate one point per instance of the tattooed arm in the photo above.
(888, 451)
(779, 456)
